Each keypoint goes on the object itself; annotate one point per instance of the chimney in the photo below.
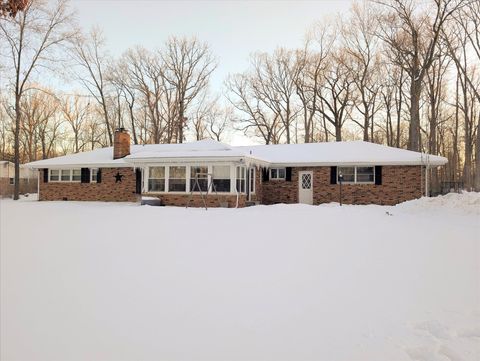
(121, 143)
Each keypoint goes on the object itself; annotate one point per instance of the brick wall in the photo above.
(107, 190)
(212, 200)
(26, 186)
(399, 184)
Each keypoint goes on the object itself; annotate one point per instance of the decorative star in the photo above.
(118, 177)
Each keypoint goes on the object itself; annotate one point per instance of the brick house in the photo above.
(28, 179)
(178, 174)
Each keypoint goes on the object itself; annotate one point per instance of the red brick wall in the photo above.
(212, 200)
(399, 184)
(107, 190)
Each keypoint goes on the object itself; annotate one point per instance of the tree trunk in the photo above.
(414, 128)
(18, 114)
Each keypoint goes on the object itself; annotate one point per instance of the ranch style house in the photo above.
(181, 174)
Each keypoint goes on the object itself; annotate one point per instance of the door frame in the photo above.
(300, 173)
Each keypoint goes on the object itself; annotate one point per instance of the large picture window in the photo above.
(356, 174)
(241, 179)
(177, 179)
(199, 174)
(156, 179)
(221, 178)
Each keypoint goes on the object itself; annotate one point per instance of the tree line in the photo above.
(403, 73)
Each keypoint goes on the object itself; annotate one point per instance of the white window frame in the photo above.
(70, 177)
(252, 173)
(355, 174)
(211, 177)
(277, 178)
(209, 171)
(232, 166)
(239, 169)
(91, 175)
(11, 181)
(147, 179)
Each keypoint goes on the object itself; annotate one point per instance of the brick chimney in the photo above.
(121, 143)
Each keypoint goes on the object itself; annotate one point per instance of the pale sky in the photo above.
(233, 29)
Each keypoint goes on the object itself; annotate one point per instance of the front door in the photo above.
(305, 187)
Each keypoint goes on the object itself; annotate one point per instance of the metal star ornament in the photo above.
(118, 177)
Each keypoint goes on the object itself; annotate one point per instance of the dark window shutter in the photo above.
(333, 175)
(45, 175)
(85, 175)
(99, 175)
(265, 174)
(288, 174)
(138, 181)
(378, 175)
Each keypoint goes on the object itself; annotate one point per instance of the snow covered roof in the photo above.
(339, 153)
(313, 154)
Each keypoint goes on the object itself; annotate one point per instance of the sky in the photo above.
(233, 29)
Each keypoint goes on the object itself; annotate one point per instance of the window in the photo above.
(348, 174)
(277, 173)
(54, 175)
(76, 175)
(221, 178)
(177, 179)
(200, 173)
(356, 174)
(93, 175)
(241, 179)
(252, 180)
(156, 179)
(65, 175)
(12, 181)
(365, 174)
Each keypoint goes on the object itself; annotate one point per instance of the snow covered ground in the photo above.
(98, 281)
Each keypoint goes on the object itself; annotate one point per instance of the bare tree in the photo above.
(412, 34)
(363, 61)
(74, 109)
(336, 96)
(254, 115)
(90, 55)
(32, 37)
(187, 66)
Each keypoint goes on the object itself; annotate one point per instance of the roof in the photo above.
(311, 154)
(340, 153)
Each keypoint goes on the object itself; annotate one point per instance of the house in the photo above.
(28, 179)
(291, 173)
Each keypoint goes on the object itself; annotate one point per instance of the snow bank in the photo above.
(103, 281)
(466, 202)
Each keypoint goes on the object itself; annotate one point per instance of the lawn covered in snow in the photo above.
(98, 281)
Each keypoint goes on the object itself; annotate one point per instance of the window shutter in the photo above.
(265, 174)
(378, 175)
(99, 175)
(333, 175)
(85, 175)
(138, 181)
(288, 174)
(45, 175)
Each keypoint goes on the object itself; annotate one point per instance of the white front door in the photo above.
(305, 187)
